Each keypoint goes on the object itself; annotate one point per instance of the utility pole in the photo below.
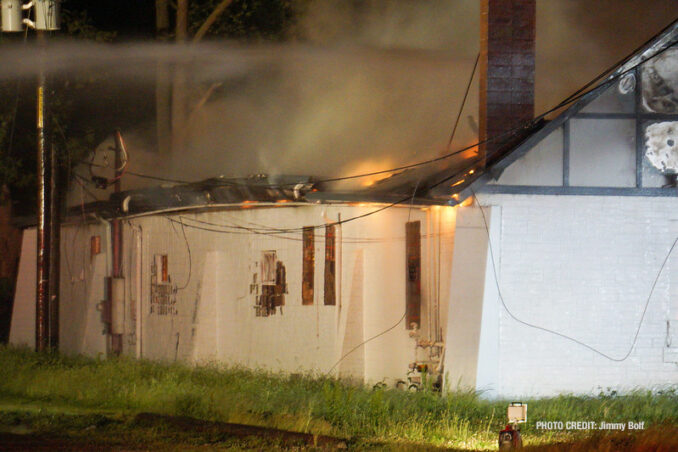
(44, 213)
(46, 16)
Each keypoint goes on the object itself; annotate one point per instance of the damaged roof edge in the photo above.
(221, 192)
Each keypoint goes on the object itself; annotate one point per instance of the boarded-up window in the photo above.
(308, 266)
(273, 285)
(413, 276)
(330, 291)
(268, 260)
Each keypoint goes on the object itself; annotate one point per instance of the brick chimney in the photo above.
(507, 37)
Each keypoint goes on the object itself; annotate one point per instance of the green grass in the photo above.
(305, 403)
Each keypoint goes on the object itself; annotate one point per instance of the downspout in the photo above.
(107, 238)
(137, 276)
(118, 298)
(106, 303)
(337, 250)
(431, 268)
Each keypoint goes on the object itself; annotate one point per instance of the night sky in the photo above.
(129, 18)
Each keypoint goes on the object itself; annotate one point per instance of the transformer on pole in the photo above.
(46, 15)
(12, 20)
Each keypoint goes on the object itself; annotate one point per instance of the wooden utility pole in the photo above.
(47, 19)
(45, 217)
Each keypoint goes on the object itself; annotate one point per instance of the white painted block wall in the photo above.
(216, 318)
(583, 267)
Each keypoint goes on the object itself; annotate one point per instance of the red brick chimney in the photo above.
(507, 36)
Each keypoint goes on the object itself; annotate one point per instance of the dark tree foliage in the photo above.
(75, 125)
(250, 20)
(84, 108)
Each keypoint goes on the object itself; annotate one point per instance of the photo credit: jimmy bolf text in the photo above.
(589, 425)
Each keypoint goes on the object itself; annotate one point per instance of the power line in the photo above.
(407, 198)
(571, 99)
(365, 342)
(272, 231)
(188, 249)
(463, 102)
(562, 335)
(579, 94)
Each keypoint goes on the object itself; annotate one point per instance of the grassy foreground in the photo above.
(304, 403)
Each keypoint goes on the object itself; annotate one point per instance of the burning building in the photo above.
(561, 282)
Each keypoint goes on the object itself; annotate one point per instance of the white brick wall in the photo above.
(584, 266)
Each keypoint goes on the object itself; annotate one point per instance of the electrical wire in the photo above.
(271, 231)
(562, 335)
(407, 198)
(188, 249)
(623, 60)
(560, 105)
(404, 199)
(463, 102)
(120, 171)
(267, 230)
(579, 94)
(454, 130)
(508, 133)
(365, 342)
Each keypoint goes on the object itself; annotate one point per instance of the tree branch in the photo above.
(221, 7)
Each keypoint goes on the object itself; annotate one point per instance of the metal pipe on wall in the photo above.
(338, 257)
(430, 269)
(138, 290)
(119, 300)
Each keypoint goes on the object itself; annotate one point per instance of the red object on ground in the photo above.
(509, 439)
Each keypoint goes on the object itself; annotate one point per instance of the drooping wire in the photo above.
(188, 250)
(489, 241)
(579, 94)
(562, 335)
(463, 102)
(365, 342)
(407, 198)
(257, 228)
(454, 130)
(621, 61)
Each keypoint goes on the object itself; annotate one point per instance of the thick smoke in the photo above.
(366, 86)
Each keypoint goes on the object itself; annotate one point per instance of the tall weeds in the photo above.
(316, 404)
